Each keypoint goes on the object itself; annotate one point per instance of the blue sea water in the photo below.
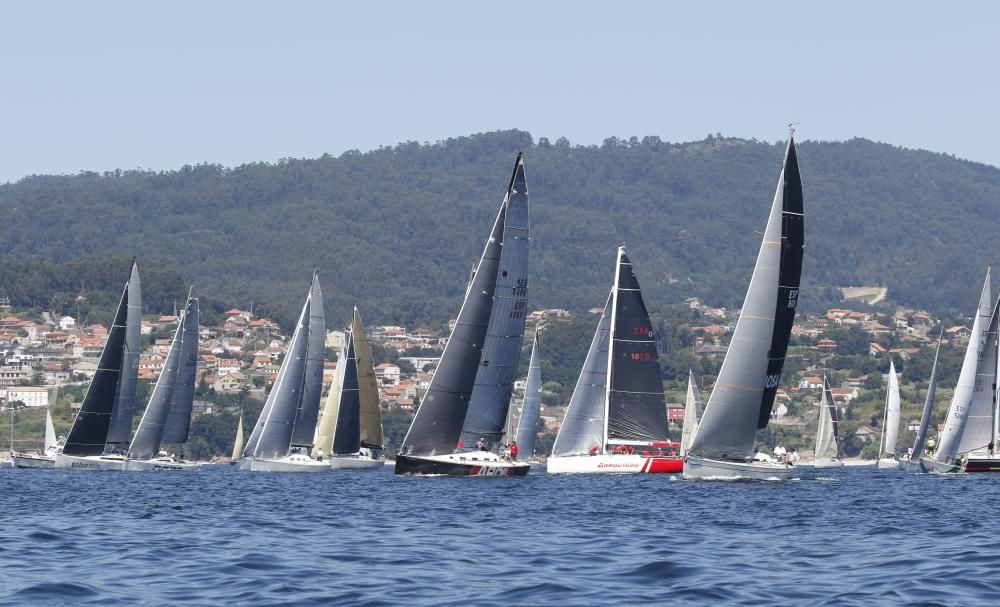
(223, 537)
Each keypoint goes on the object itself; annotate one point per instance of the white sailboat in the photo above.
(743, 396)
(827, 452)
(42, 459)
(890, 424)
(911, 462)
(969, 425)
(275, 445)
(692, 413)
(238, 442)
(616, 421)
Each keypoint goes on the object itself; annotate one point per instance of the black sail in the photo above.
(437, 425)
(90, 428)
(789, 275)
(178, 423)
(347, 435)
(637, 409)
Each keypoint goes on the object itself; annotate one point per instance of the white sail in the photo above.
(323, 442)
(692, 413)
(826, 439)
(50, 432)
(974, 392)
(238, 444)
(890, 421)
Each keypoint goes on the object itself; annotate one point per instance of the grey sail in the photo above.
(312, 389)
(582, 429)
(692, 413)
(925, 417)
(370, 413)
(149, 434)
(637, 408)
(89, 433)
(969, 424)
(527, 426)
(178, 424)
(272, 434)
(826, 431)
(890, 423)
(504, 336)
(437, 425)
(125, 401)
(347, 433)
(741, 401)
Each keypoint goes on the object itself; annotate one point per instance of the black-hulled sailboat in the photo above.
(168, 415)
(741, 401)
(283, 435)
(616, 421)
(433, 444)
(104, 421)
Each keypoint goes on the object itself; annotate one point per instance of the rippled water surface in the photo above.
(849, 537)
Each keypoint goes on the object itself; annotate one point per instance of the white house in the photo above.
(31, 396)
(67, 322)
(387, 374)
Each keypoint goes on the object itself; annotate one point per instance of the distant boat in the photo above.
(432, 443)
(44, 459)
(911, 462)
(969, 425)
(353, 408)
(743, 396)
(271, 447)
(238, 443)
(692, 413)
(616, 421)
(890, 424)
(827, 452)
(168, 415)
(104, 420)
(527, 423)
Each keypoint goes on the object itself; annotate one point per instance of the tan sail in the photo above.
(323, 443)
(238, 444)
(371, 416)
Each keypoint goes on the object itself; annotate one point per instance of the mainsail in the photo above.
(89, 433)
(527, 426)
(925, 417)
(743, 395)
(437, 425)
(370, 414)
(120, 430)
(971, 410)
(502, 346)
(826, 431)
(312, 388)
(582, 429)
(637, 409)
(692, 413)
(178, 424)
(347, 436)
(890, 421)
(272, 434)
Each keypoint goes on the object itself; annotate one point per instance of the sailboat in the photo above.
(168, 415)
(911, 462)
(104, 421)
(890, 424)
(970, 422)
(352, 420)
(692, 413)
(43, 459)
(283, 434)
(741, 401)
(527, 424)
(465, 383)
(238, 443)
(617, 417)
(827, 452)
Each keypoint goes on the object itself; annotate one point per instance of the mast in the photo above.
(611, 350)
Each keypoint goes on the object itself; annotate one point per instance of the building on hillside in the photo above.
(31, 396)
(387, 374)
(865, 433)
(811, 382)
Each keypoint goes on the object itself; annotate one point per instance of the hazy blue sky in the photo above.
(103, 85)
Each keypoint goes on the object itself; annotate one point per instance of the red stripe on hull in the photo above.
(664, 465)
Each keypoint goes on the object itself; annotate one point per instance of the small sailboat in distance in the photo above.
(238, 442)
(827, 452)
(46, 458)
(692, 413)
(890, 424)
(741, 400)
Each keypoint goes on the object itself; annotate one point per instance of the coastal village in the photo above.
(243, 354)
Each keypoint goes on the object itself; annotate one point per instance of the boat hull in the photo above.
(703, 468)
(142, 465)
(90, 462)
(888, 463)
(614, 464)
(826, 464)
(476, 463)
(291, 463)
(982, 464)
(355, 462)
(21, 460)
(936, 467)
(913, 466)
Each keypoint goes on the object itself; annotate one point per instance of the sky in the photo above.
(103, 85)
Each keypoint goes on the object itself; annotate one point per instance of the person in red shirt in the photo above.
(513, 450)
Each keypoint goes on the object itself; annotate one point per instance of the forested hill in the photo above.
(396, 230)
